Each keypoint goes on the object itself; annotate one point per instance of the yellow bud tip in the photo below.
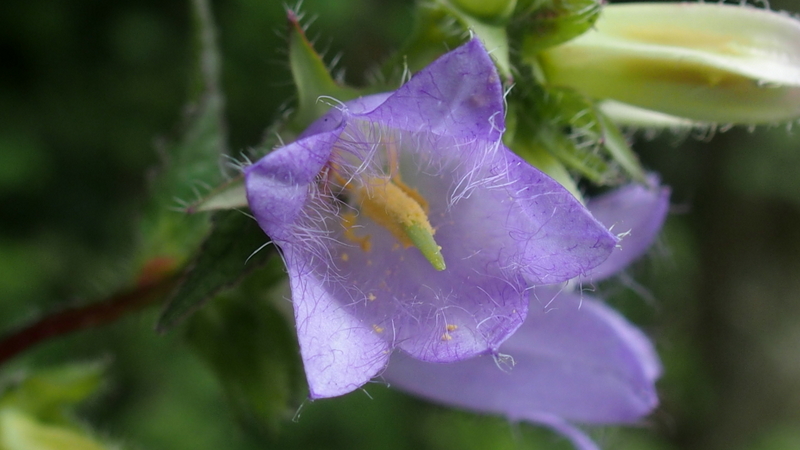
(422, 238)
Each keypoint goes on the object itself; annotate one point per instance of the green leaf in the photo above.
(19, 431)
(229, 252)
(251, 348)
(312, 79)
(46, 393)
(194, 160)
(446, 429)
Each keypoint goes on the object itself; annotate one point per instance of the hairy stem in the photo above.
(94, 315)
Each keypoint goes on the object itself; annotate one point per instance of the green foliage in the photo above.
(449, 429)
(34, 412)
(540, 24)
(19, 431)
(574, 131)
(488, 10)
(225, 257)
(440, 25)
(194, 160)
(251, 348)
(46, 393)
(312, 80)
(162, 396)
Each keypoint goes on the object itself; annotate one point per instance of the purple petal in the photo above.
(637, 209)
(333, 119)
(339, 353)
(496, 235)
(278, 184)
(358, 291)
(578, 360)
(561, 239)
(477, 302)
(458, 95)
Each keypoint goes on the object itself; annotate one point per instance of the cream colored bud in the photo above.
(705, 62)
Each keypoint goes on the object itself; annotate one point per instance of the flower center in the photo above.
(393, 205)
(402, 211)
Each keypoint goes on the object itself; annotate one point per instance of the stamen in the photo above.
(392, 204)
(391, 207)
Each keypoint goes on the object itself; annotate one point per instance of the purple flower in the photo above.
(574, 359)
(405, 223)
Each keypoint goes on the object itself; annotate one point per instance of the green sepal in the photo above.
(312, 79)
(250, 346)
(229, 195)
(229, 252)
(433, 34)
(571, 128)
(618, 148)
(541, 24)
(193, 162)
(490, 11)
(440, 26)
(532, 152)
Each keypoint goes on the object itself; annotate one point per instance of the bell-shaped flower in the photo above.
(700, 61)
(574, 360)
(405, 223)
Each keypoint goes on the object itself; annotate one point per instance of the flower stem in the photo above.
(93, 315)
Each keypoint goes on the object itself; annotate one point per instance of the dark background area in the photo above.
(87, 88)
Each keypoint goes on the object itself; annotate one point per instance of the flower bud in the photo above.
(706, 62)
(490, 10)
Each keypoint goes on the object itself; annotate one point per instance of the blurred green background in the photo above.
(88, 88)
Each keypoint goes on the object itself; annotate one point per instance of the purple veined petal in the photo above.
(278, 184)
(501, 225)
(560, 237)
(339, 353)
(457, 95)
(490, 227)
(473, 305)
(333, 119)
(577, 360)
(635, 208)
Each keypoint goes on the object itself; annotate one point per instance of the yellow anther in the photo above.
(349, 220)
(392, 204)
(393, 208)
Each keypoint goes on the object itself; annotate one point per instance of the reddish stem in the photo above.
(89, 316)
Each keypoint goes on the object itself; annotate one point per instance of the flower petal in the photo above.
(560, 237)
(339, 353)
(579, 361)
(473, 305)
(458, 95)
(278, 184)
(635, 208)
